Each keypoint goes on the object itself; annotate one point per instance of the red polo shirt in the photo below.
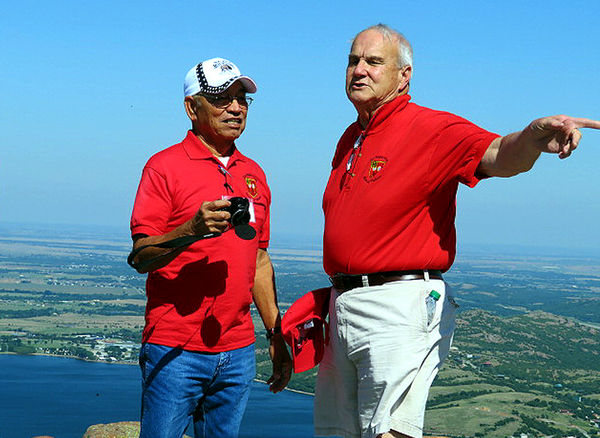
(394, 209)
(201, 300)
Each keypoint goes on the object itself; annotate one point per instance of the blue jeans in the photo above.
(179, 385)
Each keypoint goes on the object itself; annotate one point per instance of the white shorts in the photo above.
(381, 359)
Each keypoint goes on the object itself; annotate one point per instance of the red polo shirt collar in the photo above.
(197, 150)
(377, 122)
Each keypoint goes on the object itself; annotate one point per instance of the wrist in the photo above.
(189, 228)
(272, 332)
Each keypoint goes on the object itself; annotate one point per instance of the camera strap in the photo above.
(173, 244)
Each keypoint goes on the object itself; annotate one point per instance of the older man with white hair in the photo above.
(389, 236)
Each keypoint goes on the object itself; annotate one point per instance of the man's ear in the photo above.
(404, 77)
(190, 107)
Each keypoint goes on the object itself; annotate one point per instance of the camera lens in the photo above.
(240, 217)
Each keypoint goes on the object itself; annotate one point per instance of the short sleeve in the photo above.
(153, 206)
(460, 146)
(265, 232)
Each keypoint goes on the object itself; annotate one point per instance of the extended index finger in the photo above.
(586, 123)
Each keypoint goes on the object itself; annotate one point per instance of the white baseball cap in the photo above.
(214, 76)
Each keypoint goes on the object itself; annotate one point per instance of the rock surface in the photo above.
(124, 429)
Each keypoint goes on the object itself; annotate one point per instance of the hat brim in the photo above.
(248, 83)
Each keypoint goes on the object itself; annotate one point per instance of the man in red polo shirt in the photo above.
(389, 235)
(197, 356)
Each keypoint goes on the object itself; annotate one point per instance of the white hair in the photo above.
(405, 53)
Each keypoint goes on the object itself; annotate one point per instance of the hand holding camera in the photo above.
(212, 217)
(239, 209)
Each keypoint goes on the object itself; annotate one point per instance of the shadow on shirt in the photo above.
(194, 289)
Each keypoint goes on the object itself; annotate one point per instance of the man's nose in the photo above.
(234, 106)
(360, 69)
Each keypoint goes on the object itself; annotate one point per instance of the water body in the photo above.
(62, 397)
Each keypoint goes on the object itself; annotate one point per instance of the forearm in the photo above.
(164, 255)
(510, 155)
(517, 153)
(209, 221)
(265, 299)
(264, 292)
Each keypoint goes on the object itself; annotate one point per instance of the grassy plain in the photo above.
(526, 356)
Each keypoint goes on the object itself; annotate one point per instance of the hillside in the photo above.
(521, 363)
(534, 373)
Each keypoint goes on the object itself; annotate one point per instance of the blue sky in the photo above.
(90, 90)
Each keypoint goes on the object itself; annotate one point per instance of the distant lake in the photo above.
(62, 397)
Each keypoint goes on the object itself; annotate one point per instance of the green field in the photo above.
(525, 359)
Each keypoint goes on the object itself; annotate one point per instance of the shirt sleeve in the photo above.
(460, 146)
(265, 231)
(152, 207)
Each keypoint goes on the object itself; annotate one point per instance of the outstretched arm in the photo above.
(516, 153)
(265, 299)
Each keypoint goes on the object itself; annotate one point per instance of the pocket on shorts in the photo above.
(448, 312)
(452, 302)
(450, 298)
(445, 306)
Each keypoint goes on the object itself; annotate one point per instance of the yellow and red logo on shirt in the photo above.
(375, 168)
(251, 183)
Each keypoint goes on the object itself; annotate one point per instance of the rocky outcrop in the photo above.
(124, 429)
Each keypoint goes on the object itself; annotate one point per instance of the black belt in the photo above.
(343, 282)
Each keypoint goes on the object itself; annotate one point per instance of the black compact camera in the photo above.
(240, 217)
(239, 211)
